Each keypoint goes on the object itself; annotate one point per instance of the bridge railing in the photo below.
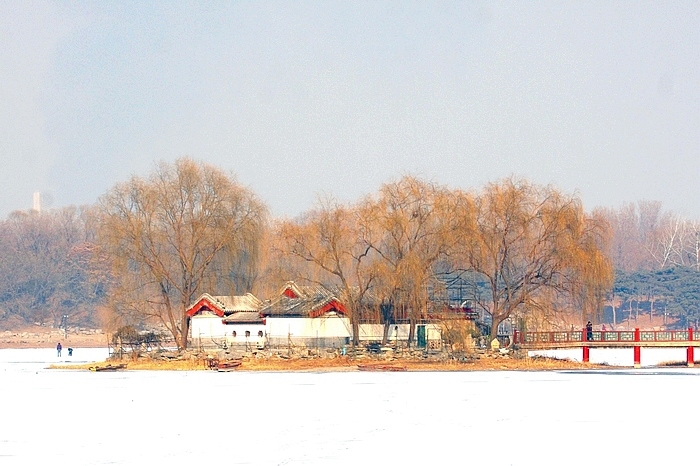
(612, 336)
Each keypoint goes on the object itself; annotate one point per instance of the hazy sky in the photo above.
(302, 98)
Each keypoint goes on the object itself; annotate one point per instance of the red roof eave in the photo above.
(204, 302)
(333, 305)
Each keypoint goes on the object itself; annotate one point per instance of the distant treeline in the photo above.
(47, 269)
(672, 293)
(656, 255)
(87, 265)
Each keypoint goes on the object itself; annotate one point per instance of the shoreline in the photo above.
(271, 363)
(347, 364)
(41, 337)
(66, 343)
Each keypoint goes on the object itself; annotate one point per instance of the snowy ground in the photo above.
(361, 418)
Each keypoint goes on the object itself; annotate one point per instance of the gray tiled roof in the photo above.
(226, 304)
(231, 304)
(309, 300)
(243, 317)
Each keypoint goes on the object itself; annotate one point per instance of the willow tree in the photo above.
(330, 239)
(188, 228)
(532, 244)
(413, 227)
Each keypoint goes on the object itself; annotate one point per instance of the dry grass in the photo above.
(347, 364)
(141, 365)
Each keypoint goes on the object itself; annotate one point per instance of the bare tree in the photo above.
(411, 222)
(634, 229)
(667, 247)
(529, 241)
(331, 239)
(693, 249)
(42, 278)
(187, 229)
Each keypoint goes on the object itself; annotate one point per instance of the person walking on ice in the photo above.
(58, 349)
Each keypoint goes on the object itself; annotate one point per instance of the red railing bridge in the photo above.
(635, 339)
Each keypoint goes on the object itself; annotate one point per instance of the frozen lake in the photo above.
(620, 416)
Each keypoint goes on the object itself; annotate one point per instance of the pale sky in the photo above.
(302, 98)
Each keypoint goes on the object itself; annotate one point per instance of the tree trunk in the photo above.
(385, 333)
(411, 330)
(355, 331)
(184, 332)
(495, 322)
(629, 318)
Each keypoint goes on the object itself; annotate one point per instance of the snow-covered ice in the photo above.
(64, 417)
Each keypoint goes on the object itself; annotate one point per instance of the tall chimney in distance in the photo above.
(37, 202)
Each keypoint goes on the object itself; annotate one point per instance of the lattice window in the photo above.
(626, 336)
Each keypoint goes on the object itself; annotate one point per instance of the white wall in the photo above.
(374, 332)
(330, 326)
(206, 328)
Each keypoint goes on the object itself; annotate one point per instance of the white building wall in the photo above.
(207, 327)
(330, 326)
(208, 330)
(433, 332)
(240, 338)
(374, 332)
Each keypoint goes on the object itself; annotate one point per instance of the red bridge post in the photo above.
(586, 349)
(691, 349)
(637, 350)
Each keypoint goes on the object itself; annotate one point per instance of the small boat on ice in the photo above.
(227, 366)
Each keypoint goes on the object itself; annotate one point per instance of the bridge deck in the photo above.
(608, 339)
(609, 344)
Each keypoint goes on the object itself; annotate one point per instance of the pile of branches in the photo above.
(128, 336)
